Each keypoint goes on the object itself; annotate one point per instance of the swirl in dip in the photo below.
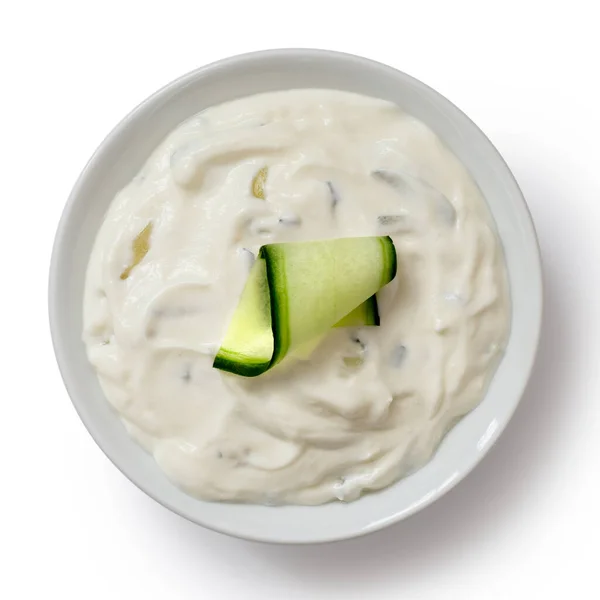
(371, 404)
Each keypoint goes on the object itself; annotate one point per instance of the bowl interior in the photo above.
(122, 154)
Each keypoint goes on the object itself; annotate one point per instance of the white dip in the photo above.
(371, 404)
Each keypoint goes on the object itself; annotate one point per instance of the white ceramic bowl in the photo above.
(122, 154)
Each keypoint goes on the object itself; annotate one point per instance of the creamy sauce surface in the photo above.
(371, 404)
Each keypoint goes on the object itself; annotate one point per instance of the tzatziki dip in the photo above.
(369, 404)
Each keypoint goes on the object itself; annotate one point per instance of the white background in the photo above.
(525, 524)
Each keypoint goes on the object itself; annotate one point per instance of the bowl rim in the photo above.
(99, 155)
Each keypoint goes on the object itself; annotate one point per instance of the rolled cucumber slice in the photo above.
(297, 291)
